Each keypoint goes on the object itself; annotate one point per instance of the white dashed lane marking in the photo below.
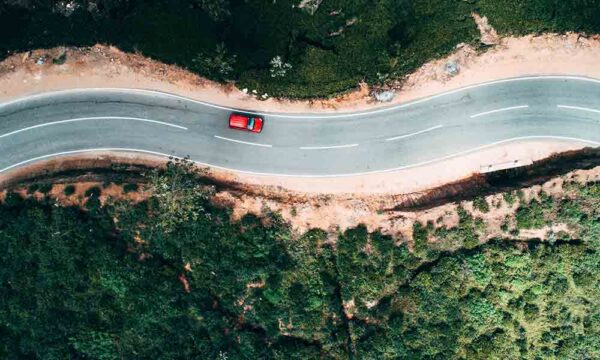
(242, 142)
(500, 110)
(415, 133)
(328, 147)
(578, 108)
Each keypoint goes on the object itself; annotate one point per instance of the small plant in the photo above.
(69, 190)
(45, 188)
(218, 65)
(93, 203)
(505, 225)
(481, 204)
(13, 199)
(94, 191)
(509, 197)
(479, 225)
(521, 195)
(531, 216)
(217, 10)
(278, 67)
(128, 188)
(33, 188)
(60, 60)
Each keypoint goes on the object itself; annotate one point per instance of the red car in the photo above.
(246, 122)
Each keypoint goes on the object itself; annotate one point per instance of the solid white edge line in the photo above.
(415, 133)
(72, 152)
(540, 137)
(328, 147)
(499, 110)
(310, 115)
(578, 108)
(90, 118)
(242, 142)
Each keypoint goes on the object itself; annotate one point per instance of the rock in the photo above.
(26, 56)
(451, 68)
(351, 21)
(384, 96)
(488, 34)
(310, 6)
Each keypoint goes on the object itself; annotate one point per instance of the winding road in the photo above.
(315, 145)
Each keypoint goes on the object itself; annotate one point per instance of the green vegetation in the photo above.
(464, 235)
(60, 60)
(94, 191)
(509, 198)
(32, 188)
(174, 278)
(127, 188)
(69, 190)
(45, 188)
(275, 47)
(480, 203)
(42, 188)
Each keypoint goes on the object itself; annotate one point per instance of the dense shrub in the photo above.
(69, 190)
(45, 188)
(94, 191)
(127, 188)
(33, 188)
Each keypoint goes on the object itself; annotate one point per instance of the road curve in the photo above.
(315, 145)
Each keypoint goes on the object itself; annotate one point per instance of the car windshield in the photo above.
(251, 123)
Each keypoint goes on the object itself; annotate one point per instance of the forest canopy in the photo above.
(173, 278)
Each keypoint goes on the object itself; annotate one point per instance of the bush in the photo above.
(509, 197)
(127, 188)
(532, 215)
(33, 188)
(481, 204)
(42, 188)
(60, 60)
(45, 188)
(94, 191)
(69, 190)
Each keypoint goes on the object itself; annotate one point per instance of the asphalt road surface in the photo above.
(61, 123)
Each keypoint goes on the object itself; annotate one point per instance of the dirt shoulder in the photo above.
(414, 179)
